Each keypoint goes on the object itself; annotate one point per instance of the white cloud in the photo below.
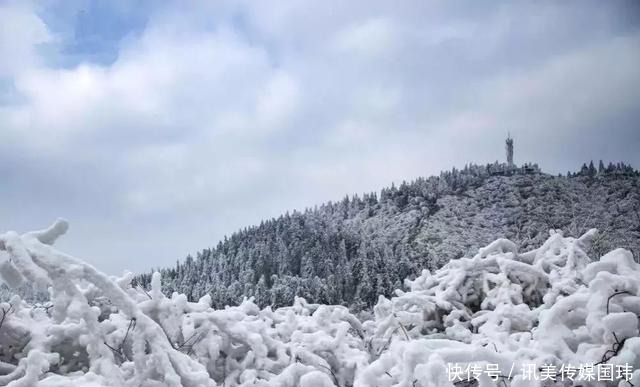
(206, 123)
(20, 33)
(372, 37)
(277, 102)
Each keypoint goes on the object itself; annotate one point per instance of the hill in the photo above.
(349, 252)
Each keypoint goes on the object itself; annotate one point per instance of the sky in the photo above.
(155, 127)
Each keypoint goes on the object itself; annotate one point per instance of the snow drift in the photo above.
(501, 309)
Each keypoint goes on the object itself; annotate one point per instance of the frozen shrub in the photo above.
(550, 306)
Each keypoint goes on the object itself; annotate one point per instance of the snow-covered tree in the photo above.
(547, 307)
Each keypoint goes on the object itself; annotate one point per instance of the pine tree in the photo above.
(262, 293)
(592, 169)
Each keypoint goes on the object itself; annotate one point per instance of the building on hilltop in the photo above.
(509, 148)
(509, 168)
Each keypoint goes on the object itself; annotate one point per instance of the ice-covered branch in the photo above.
(553, 305)
(49, 235)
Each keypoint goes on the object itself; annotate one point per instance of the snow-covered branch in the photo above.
(549, 306)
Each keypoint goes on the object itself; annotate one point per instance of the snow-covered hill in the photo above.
(516, 317)
(351, 251)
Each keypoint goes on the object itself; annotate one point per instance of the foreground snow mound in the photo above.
(500, 310)
(522, 314)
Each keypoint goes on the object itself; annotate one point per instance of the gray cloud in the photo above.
(211, 119)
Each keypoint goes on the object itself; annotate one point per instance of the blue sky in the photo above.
(158, 127)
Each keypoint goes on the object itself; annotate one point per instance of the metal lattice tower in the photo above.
(509, 147)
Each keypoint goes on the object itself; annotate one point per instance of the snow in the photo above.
(501, 308)
(10, 275)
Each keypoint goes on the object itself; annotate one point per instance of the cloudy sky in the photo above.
(156, 128)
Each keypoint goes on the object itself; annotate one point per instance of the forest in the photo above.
(350, 251)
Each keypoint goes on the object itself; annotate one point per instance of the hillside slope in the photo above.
(350, 251)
